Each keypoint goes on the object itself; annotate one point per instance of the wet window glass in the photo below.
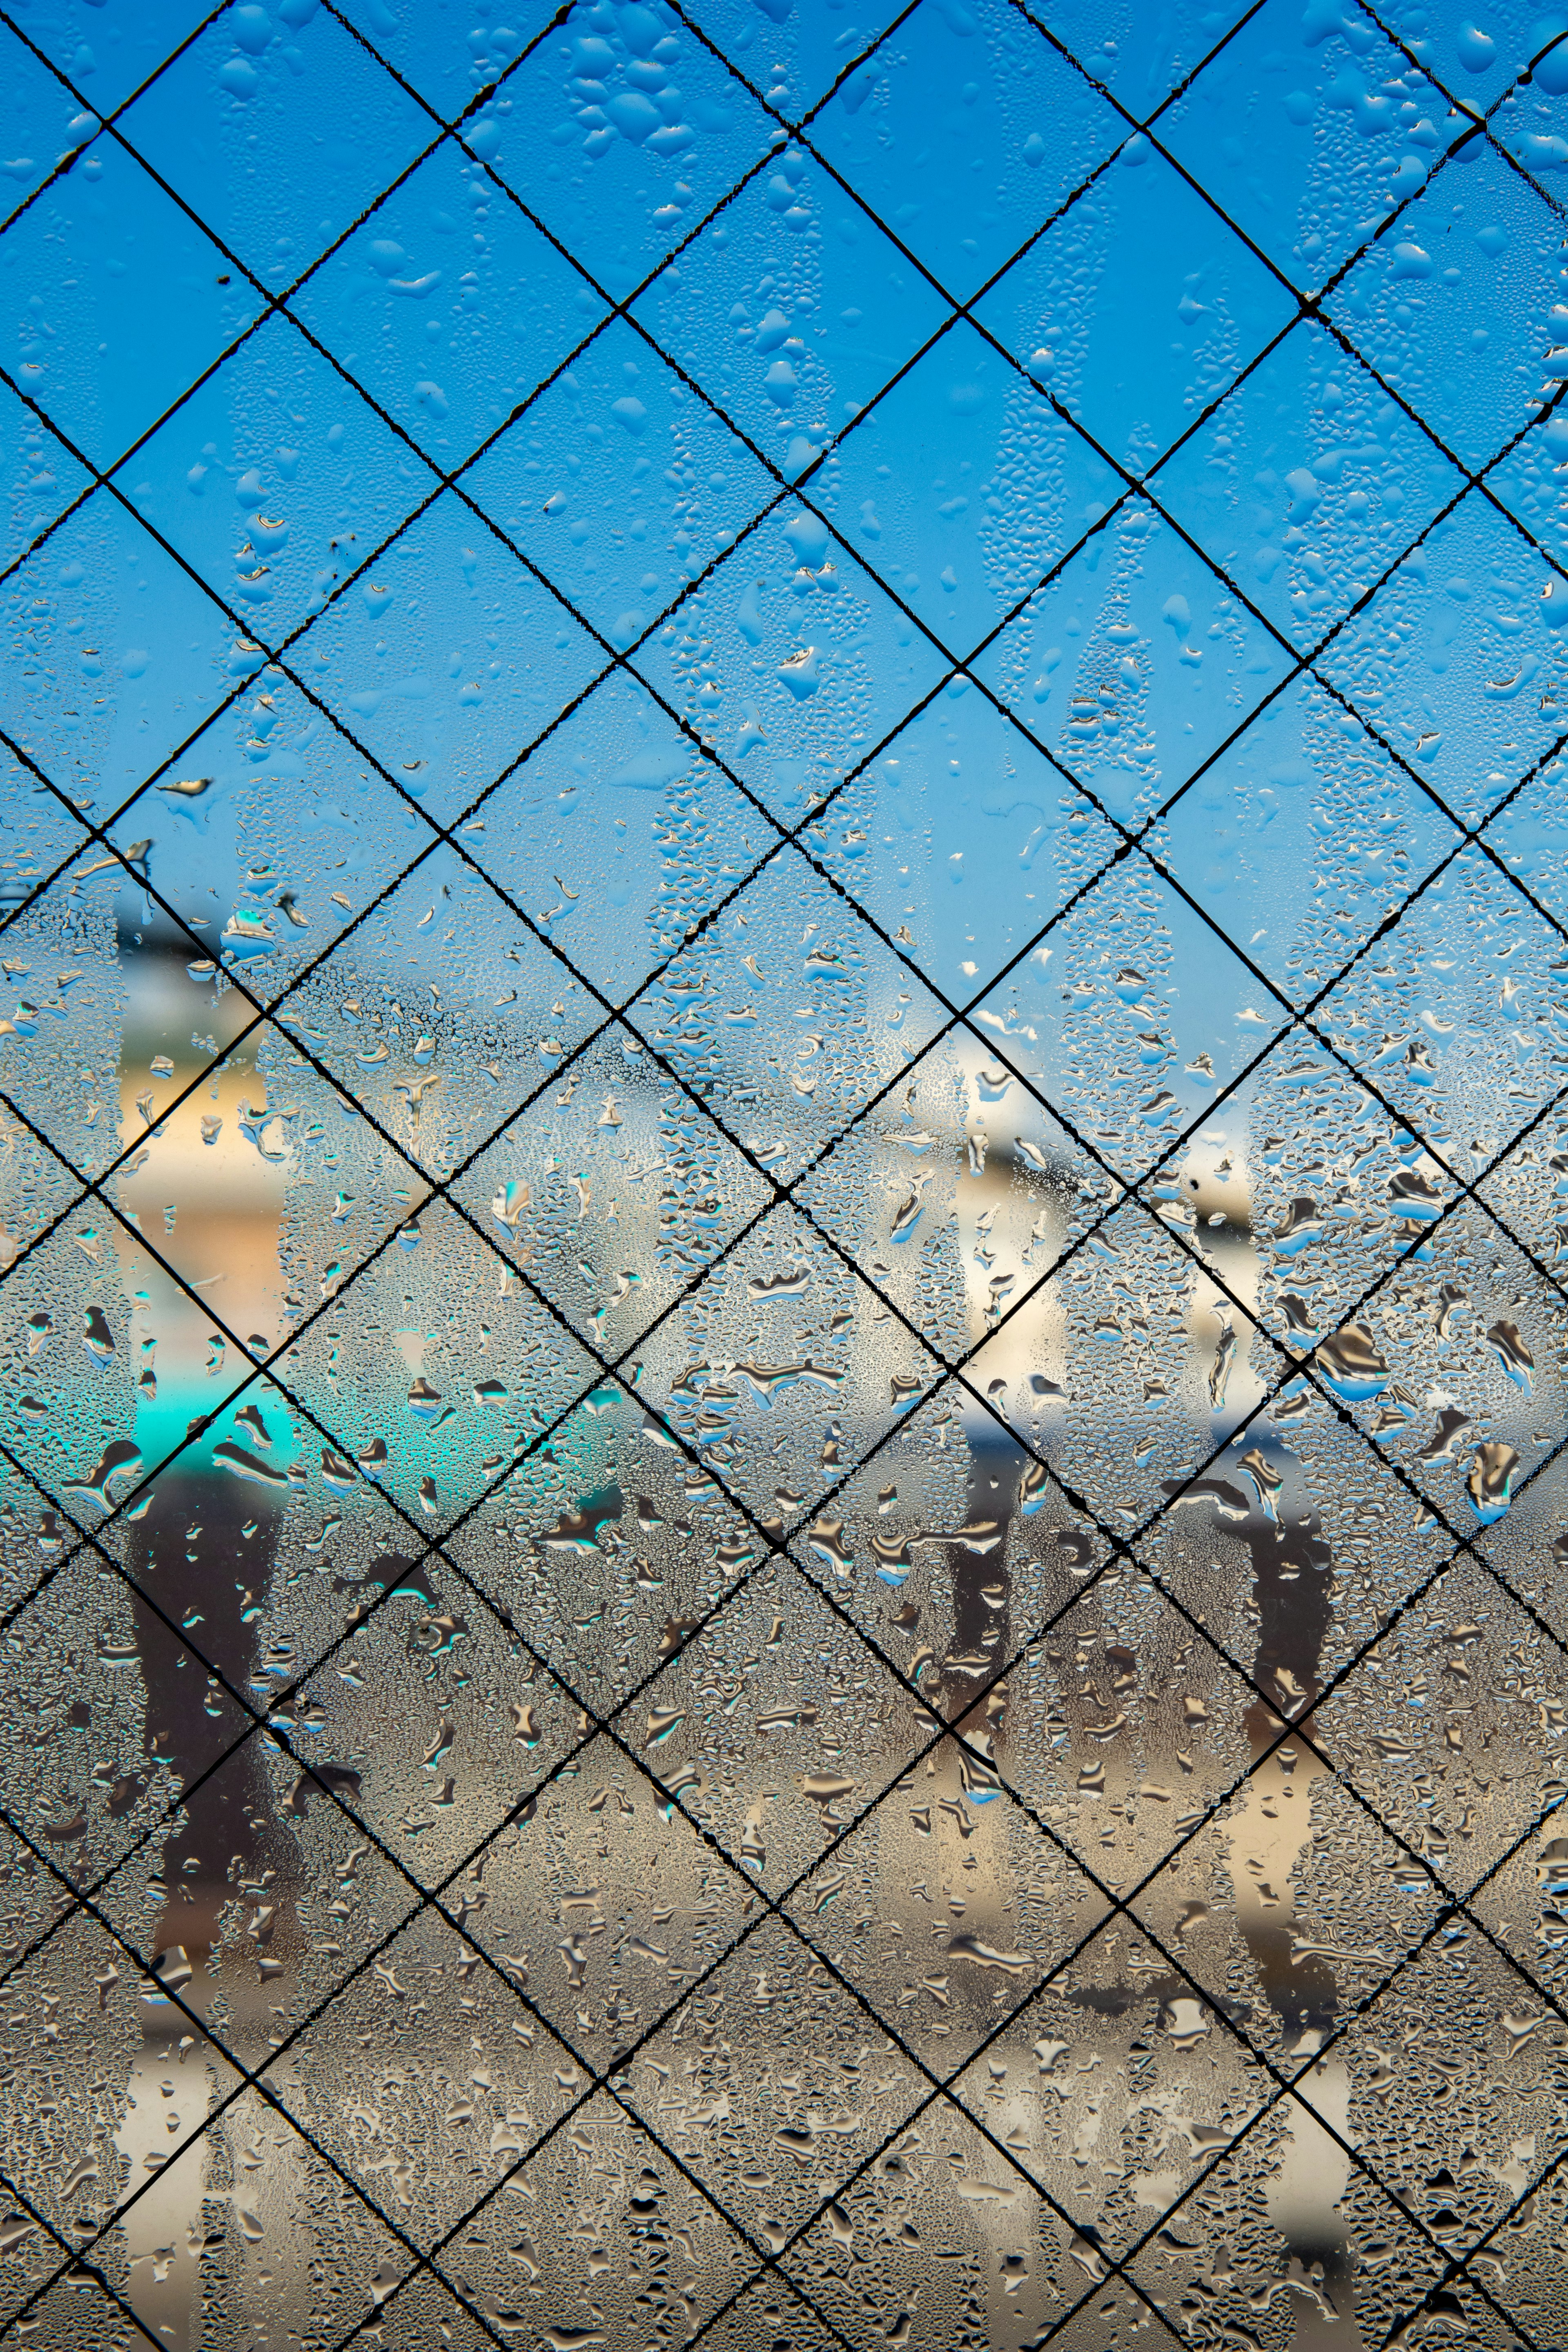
(783, 1175)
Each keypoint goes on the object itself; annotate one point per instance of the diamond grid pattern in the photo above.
(1322, 1370)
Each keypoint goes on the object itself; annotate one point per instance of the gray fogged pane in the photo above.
(783, 1176)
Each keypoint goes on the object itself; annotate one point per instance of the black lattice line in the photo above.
(1302, 663)
(337, 723)
(1286, 1731)
(1304, 1364)
(1308, 306)
(75, 2268)
(267, 1368)
(432, 1900)
(331, 1078)
(1114, 1175)
(1290, 1730)
(101, 123)
(1021, 1302)
(271, 303)
(1284, 2085)
(763, 812)
(243, 626)
(816, 1863)
(1467, 833)
(1273, 1704)
(710, 404)
(631, 1760)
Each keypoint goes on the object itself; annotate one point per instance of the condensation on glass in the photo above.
(783, 910)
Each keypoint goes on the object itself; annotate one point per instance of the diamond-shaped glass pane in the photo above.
(426, 311)
(273, 482)
(962, 807)
(442, 1057)
(123, 656)
(1035, 2076)
(620, 485)
(1455, 662)
(567, 1234)
(1135, 306)
(444, 717)
(792, 661)
(604, 1905)
(618, 892)
(1433, 304)
(1371, 2260)
(1005, 129)
(279, 136)
(127, 301)
(1391, 1722)
(622, 135)
(818, 327)
(1308, 483)
(273, 838)
(1134, 1016)
(787, 1014)
(1135, 662)
(1439, 1019)
(674, 2252)
(962, 517)
(772, 2141)
(1342, 152)
(783, 1369)
(1302, 836)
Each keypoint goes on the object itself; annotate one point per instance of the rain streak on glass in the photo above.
(783, 1175)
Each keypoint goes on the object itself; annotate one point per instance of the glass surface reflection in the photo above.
(781, 1163)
